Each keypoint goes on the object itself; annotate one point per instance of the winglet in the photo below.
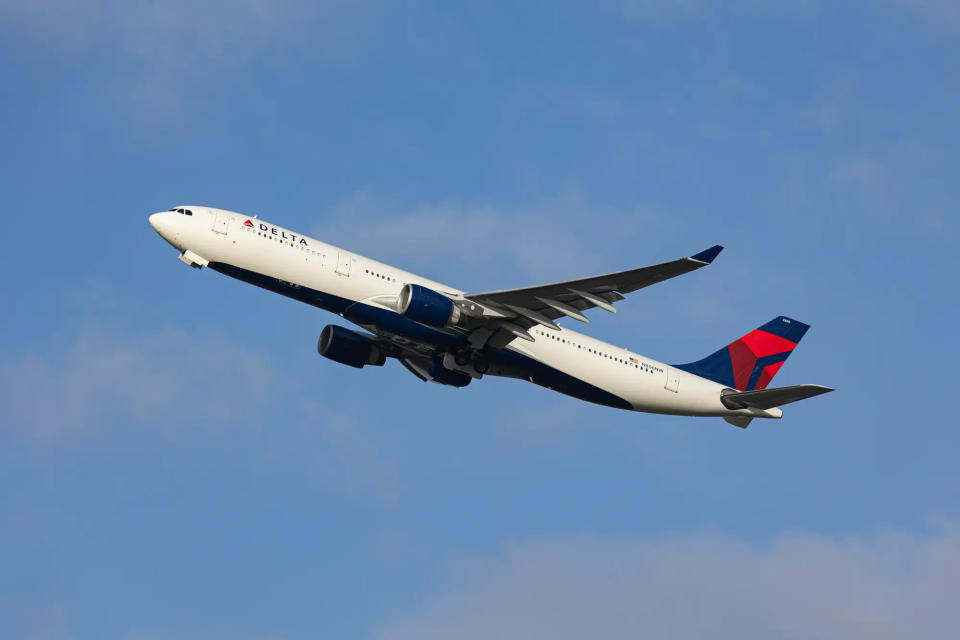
(708, 255)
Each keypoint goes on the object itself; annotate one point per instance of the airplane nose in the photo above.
(165, 226)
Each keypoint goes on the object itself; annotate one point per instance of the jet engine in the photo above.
(427, 306)
(349, 347)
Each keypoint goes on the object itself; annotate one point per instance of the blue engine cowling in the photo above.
(441, 375)
(349, 347)
(426, 306)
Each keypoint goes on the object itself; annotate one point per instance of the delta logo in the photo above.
(291, 237)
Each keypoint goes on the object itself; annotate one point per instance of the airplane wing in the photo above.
(522, 308)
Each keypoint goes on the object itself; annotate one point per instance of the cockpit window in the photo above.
(186, 212)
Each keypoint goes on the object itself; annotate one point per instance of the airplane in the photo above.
(444, 335)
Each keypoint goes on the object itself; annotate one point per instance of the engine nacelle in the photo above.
(441, 375)
(349, 347)
(426, 306)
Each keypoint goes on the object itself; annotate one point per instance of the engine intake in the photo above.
(349, 347)
(426, 306)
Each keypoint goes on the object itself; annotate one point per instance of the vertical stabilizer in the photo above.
(752, 361)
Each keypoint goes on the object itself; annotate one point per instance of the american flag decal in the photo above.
(634, 360)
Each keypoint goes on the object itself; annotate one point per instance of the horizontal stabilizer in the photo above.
(770, 398)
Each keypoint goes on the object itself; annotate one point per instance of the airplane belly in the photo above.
(640, 390)
(680, 395)
(547, 366)
(517, 362)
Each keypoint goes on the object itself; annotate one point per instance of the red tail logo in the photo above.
(248, 223)
(751, 362)
(758, 352)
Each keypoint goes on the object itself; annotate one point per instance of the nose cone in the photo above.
(165, 225)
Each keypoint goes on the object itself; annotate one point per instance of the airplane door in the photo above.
(673, 380)
(343, 263)
(221, 223)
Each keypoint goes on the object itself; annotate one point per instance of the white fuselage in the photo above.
(215, 236)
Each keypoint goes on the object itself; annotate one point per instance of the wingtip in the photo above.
(708, 255)
(817, 389)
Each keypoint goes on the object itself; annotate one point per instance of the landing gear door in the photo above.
(673, 380)
(221, 223)
(343, 263)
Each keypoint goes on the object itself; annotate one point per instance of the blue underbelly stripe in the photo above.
(546, 376)
(332, 303)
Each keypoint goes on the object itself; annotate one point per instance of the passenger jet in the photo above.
(451, 337)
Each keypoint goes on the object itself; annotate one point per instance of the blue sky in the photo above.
(176, 461)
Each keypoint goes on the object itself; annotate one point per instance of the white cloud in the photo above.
(165, 63)
(802, 586)
(110, 377)
(149, 375)
(548, 241)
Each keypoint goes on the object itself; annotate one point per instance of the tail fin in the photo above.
(751, 362)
